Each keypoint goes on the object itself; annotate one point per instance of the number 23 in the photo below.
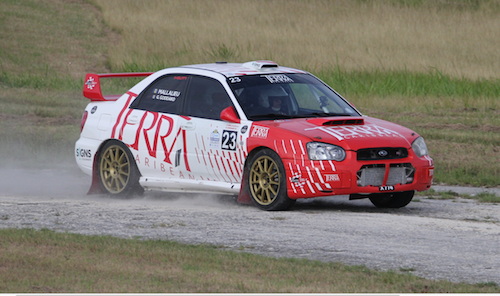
(229, 140)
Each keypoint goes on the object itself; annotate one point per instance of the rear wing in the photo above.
(92, 86)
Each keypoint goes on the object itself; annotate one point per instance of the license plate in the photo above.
(386, 188)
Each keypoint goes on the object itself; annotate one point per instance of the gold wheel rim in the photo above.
(264, 180)
(115, 169)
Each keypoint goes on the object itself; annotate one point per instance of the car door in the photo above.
(152, 126)
(213, 149)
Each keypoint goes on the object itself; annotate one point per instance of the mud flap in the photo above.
(244, 195)
(95, 187)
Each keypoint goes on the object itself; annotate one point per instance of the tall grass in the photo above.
(409, 84)
(459, 38)
(45, 81)
(51, 38)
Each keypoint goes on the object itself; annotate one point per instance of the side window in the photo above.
(164, 95)
(206, 98)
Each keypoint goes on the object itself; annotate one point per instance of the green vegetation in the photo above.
(48, 262)
(454, 106)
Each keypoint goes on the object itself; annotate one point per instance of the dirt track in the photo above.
(457, 240)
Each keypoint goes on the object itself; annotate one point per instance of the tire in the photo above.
(267, 182)
(117, 170)
(392, 200)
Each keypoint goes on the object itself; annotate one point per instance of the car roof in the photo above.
(248, 68)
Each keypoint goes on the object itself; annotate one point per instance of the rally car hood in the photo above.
(351, 133)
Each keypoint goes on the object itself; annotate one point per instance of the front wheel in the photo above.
(267, 182)
(118, 173)
(391, 200)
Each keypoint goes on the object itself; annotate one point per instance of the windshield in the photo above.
(275, 96)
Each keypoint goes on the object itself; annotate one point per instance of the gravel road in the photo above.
(456, 240)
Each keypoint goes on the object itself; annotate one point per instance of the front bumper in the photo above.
(323, 178)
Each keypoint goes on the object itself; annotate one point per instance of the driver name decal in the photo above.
(166, 95)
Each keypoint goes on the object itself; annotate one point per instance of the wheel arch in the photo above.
(95, 186)
(244, 195)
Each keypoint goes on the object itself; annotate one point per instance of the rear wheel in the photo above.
(118, 173)
(267, 182)
(391, 200)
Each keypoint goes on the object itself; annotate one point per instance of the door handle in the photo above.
(132, 120)
(188, 126)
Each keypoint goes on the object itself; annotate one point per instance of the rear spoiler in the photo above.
(92, 86)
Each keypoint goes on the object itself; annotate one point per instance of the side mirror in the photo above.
(229, 114)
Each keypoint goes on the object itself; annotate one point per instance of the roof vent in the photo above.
(260, 65)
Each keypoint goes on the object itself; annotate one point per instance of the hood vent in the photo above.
(344, 122)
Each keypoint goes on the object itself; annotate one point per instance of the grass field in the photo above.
(432, 66)
(48, 262)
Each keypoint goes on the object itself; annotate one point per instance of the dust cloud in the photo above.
(60, 181)
(63, 181)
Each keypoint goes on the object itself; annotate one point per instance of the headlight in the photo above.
(322, 151)
(419, 147)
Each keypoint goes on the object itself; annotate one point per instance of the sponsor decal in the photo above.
(357, 131)
(165, 95)
(84, 154)
(232, 127)
(244, 129)
(160, 166)
(90, 83)
(332, 178)
(298, 180)
(92, 111)
(180, 78)
(278, 78)
(158, 131)
(214, 139)
(259, 132)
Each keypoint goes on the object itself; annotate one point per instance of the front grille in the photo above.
(381, 153)
(373, 175)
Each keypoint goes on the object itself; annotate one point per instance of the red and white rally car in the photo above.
(266, 133)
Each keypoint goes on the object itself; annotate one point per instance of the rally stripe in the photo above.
(283, 144)
(310, 187)
(319, 176)
(131, 95)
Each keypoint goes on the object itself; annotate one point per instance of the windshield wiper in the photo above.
(272, 116)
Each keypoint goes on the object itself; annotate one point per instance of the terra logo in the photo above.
(332, 177)
(259, 132)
